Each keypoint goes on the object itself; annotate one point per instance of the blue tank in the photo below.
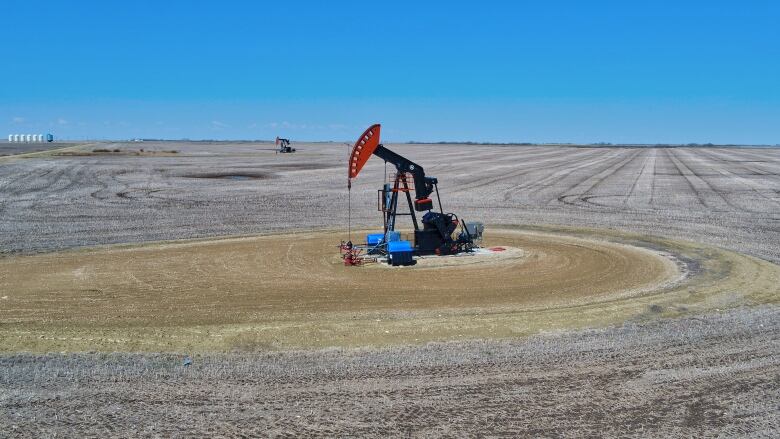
(399, 246)
(374, 238)
(400, 253)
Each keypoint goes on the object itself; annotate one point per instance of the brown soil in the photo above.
(292, 290)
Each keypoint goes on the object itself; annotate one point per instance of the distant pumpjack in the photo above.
(283, 145)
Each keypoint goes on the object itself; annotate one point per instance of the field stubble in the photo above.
(710, 375)
(708, 369)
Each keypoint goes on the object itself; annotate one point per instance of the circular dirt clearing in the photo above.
(293, 291)
(231, 280)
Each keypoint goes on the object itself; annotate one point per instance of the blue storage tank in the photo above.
(374, 238)
(399, 246)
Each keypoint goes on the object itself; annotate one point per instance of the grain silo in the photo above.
(10, 138)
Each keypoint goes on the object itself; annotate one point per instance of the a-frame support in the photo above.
(389, 200)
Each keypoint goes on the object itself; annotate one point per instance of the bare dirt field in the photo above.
(710, 375)
(720, 196)
(673, 250)
(17, 148)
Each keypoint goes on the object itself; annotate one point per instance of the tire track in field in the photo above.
(16, 179)
(105, 179)
(487, 164)
(555, 176)
(752, 166)
(764, 159)
(105, 191)
(558, 161)
(476, 158)
(697, 185)
(597, 179)
(723, 170)
(644, 175)
(20, 186)
(724, 158)
(556, 157)
(652, 184)
(495, 166)
(560, 175)
(28, 192)
(588, 197)
(489, 154)
(76, 176)
(546, 182)
(709, 188)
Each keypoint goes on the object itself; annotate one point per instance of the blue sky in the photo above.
(613, 71)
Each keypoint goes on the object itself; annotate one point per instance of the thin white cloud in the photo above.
(219, 125)
(302, 126)
(18, 120)
(283, 124)
(62, 121)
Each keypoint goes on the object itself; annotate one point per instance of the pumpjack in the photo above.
(440, 234)
(283, 145)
